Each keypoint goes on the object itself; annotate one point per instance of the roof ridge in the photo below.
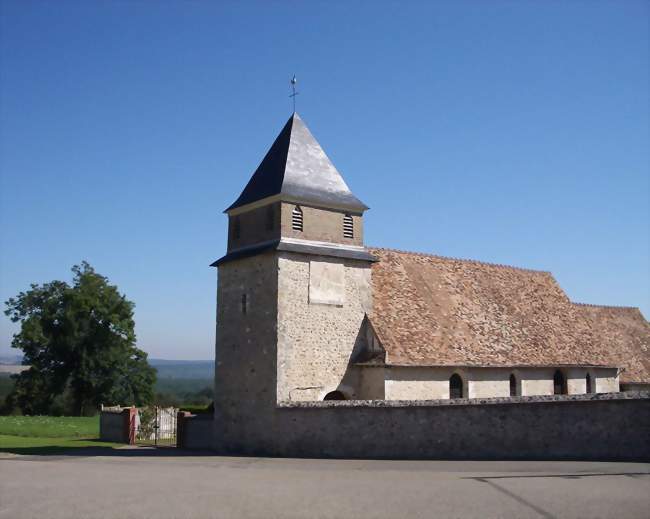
(611, 307)
(464, 260)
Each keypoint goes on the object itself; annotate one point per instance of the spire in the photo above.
(297, 169)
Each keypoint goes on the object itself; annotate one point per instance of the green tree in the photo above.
(79, 342)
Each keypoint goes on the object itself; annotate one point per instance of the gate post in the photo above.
(180, 427)
(129, 415)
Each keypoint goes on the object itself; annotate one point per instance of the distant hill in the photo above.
(12, 369)
(180, 382)
(186, 369)
(13, 360)
(11, 364)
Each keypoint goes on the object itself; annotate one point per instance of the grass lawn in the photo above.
(36, 445)
(50, 426)
(50, 434)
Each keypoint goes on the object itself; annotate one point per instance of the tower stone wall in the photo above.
(246, 351)
(321, 224)
(283, 346)
(255, 226)
(322, 302)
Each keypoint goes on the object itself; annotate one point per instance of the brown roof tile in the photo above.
(431, 310)
(625, 333)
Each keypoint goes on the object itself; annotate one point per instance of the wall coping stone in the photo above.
(536, 399)
(199, 416)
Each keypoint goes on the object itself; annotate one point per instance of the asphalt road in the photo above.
(144, 484)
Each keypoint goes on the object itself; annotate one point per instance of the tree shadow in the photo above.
(116, 450)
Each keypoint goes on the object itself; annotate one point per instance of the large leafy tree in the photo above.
(79, 342)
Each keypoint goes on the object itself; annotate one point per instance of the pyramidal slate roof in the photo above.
(297, 169)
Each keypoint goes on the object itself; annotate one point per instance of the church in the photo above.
(343, 321)
(328, 348)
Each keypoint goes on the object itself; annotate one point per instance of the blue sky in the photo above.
(509, 132)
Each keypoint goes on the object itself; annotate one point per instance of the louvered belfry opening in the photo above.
(296, 219)
(348, 226)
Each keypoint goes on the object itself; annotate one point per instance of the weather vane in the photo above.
(294, 93)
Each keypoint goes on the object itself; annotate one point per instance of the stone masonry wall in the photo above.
(112, 427)
(321, 225)
(606, 380)
(315, 341)
(196, 433)
(590, 427)
(245, 352)
(253, 226)
(426, 383)
(117, 424)
(416, 383)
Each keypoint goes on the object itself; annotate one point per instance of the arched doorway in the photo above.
(334, 395)
(455, 386)
(513, 385)
(559, 383)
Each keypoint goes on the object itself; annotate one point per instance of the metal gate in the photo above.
(156, 426)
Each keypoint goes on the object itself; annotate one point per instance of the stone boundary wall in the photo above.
(446, 402)
(116, 424)
(587, 427)
(194, 431)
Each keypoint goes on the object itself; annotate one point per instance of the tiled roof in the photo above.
(431, 310)
(625, 334)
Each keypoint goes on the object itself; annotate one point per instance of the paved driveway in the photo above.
(147, 484)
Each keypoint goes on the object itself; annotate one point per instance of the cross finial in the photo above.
(294, 93)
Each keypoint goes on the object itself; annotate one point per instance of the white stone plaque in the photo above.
(326, 283)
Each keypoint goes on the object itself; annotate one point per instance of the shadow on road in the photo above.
(492, 482)
(485, 479)
(102, 449)
(150, 451)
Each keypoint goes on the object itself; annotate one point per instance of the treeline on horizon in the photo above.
(189, 393)
(182, 384)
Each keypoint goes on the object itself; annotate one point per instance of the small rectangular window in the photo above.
(513, 385)
(348, 226)
(244, 304)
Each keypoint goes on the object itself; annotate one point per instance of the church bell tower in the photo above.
(296, 198)
(294, 285)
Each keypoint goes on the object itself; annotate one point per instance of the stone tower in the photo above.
(293, 289)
